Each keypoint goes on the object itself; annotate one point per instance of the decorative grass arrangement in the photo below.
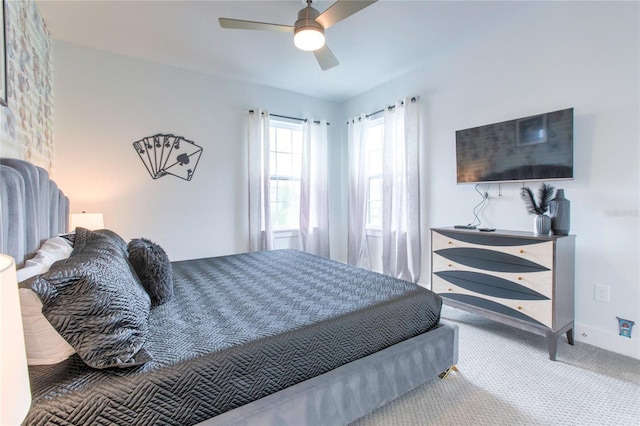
(545, 195)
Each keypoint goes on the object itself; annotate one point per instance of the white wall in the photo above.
(104, 102)
(577, 54)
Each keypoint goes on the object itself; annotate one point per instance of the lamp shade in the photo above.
(14, 375)
(86, 220)
(309, 39)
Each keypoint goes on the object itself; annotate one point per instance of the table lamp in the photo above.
(14, 374)
(86, 220)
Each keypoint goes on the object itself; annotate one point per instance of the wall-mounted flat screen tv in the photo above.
(539, 147)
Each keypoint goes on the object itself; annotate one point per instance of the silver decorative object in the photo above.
(559, 209)
(541, 224)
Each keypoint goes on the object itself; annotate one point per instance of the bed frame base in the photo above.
(351, 391)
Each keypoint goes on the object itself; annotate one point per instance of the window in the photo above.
(285, 167)
(374, 163)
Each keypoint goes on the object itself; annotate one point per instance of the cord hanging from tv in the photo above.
(538, 147)
(476, 211)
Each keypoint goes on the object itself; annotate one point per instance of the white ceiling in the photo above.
(377, 44)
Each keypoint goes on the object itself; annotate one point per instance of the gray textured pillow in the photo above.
(153, 267)
(96, 302)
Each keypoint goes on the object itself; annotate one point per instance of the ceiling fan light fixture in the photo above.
(309, 38)
(307, 33)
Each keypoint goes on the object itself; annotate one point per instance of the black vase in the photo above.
(559, 209)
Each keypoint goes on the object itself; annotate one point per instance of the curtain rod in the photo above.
(390, 107)
(289, 118)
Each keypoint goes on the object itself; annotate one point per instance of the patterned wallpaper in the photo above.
(27, 122)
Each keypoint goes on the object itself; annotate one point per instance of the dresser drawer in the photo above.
(536, 252)
(533, 310)
(540, 281)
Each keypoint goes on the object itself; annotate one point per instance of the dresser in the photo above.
(521, 279)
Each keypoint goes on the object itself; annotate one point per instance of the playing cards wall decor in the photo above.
(168, 155)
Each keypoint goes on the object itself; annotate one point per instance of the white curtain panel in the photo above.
(260, 232)
(314, 194)
(357, 248)
(401, 250)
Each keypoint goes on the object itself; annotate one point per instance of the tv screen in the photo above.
(539, 147)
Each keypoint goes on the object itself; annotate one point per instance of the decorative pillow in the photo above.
(153, 267)
(96, 302)
(43, 344)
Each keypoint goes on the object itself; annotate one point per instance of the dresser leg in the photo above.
(552, 344)
(570, 336)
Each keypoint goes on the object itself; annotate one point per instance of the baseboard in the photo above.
(609, 341)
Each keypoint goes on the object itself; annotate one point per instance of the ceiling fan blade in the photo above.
(252, 25)
(340, 10)
(325, 58)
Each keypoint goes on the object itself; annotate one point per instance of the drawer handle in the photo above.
(519, 308)
(450, 242)
(450, 266)
(521, 251)
(520, 278)
(450, 289)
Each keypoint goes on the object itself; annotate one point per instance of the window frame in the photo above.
(375, 124)
(289, 230)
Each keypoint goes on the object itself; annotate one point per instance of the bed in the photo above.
(276, 337)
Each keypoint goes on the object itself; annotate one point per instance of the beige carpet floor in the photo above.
(506, 378)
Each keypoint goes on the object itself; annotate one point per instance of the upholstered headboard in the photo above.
(32, 208)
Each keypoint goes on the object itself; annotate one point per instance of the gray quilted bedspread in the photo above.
(238, 328)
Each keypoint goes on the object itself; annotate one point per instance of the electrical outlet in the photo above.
(601, 293)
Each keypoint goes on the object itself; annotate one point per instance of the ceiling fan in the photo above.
(309, 28)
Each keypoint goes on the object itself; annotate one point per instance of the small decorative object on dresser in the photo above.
(542, 222)
(521, 279)
(559, 209)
